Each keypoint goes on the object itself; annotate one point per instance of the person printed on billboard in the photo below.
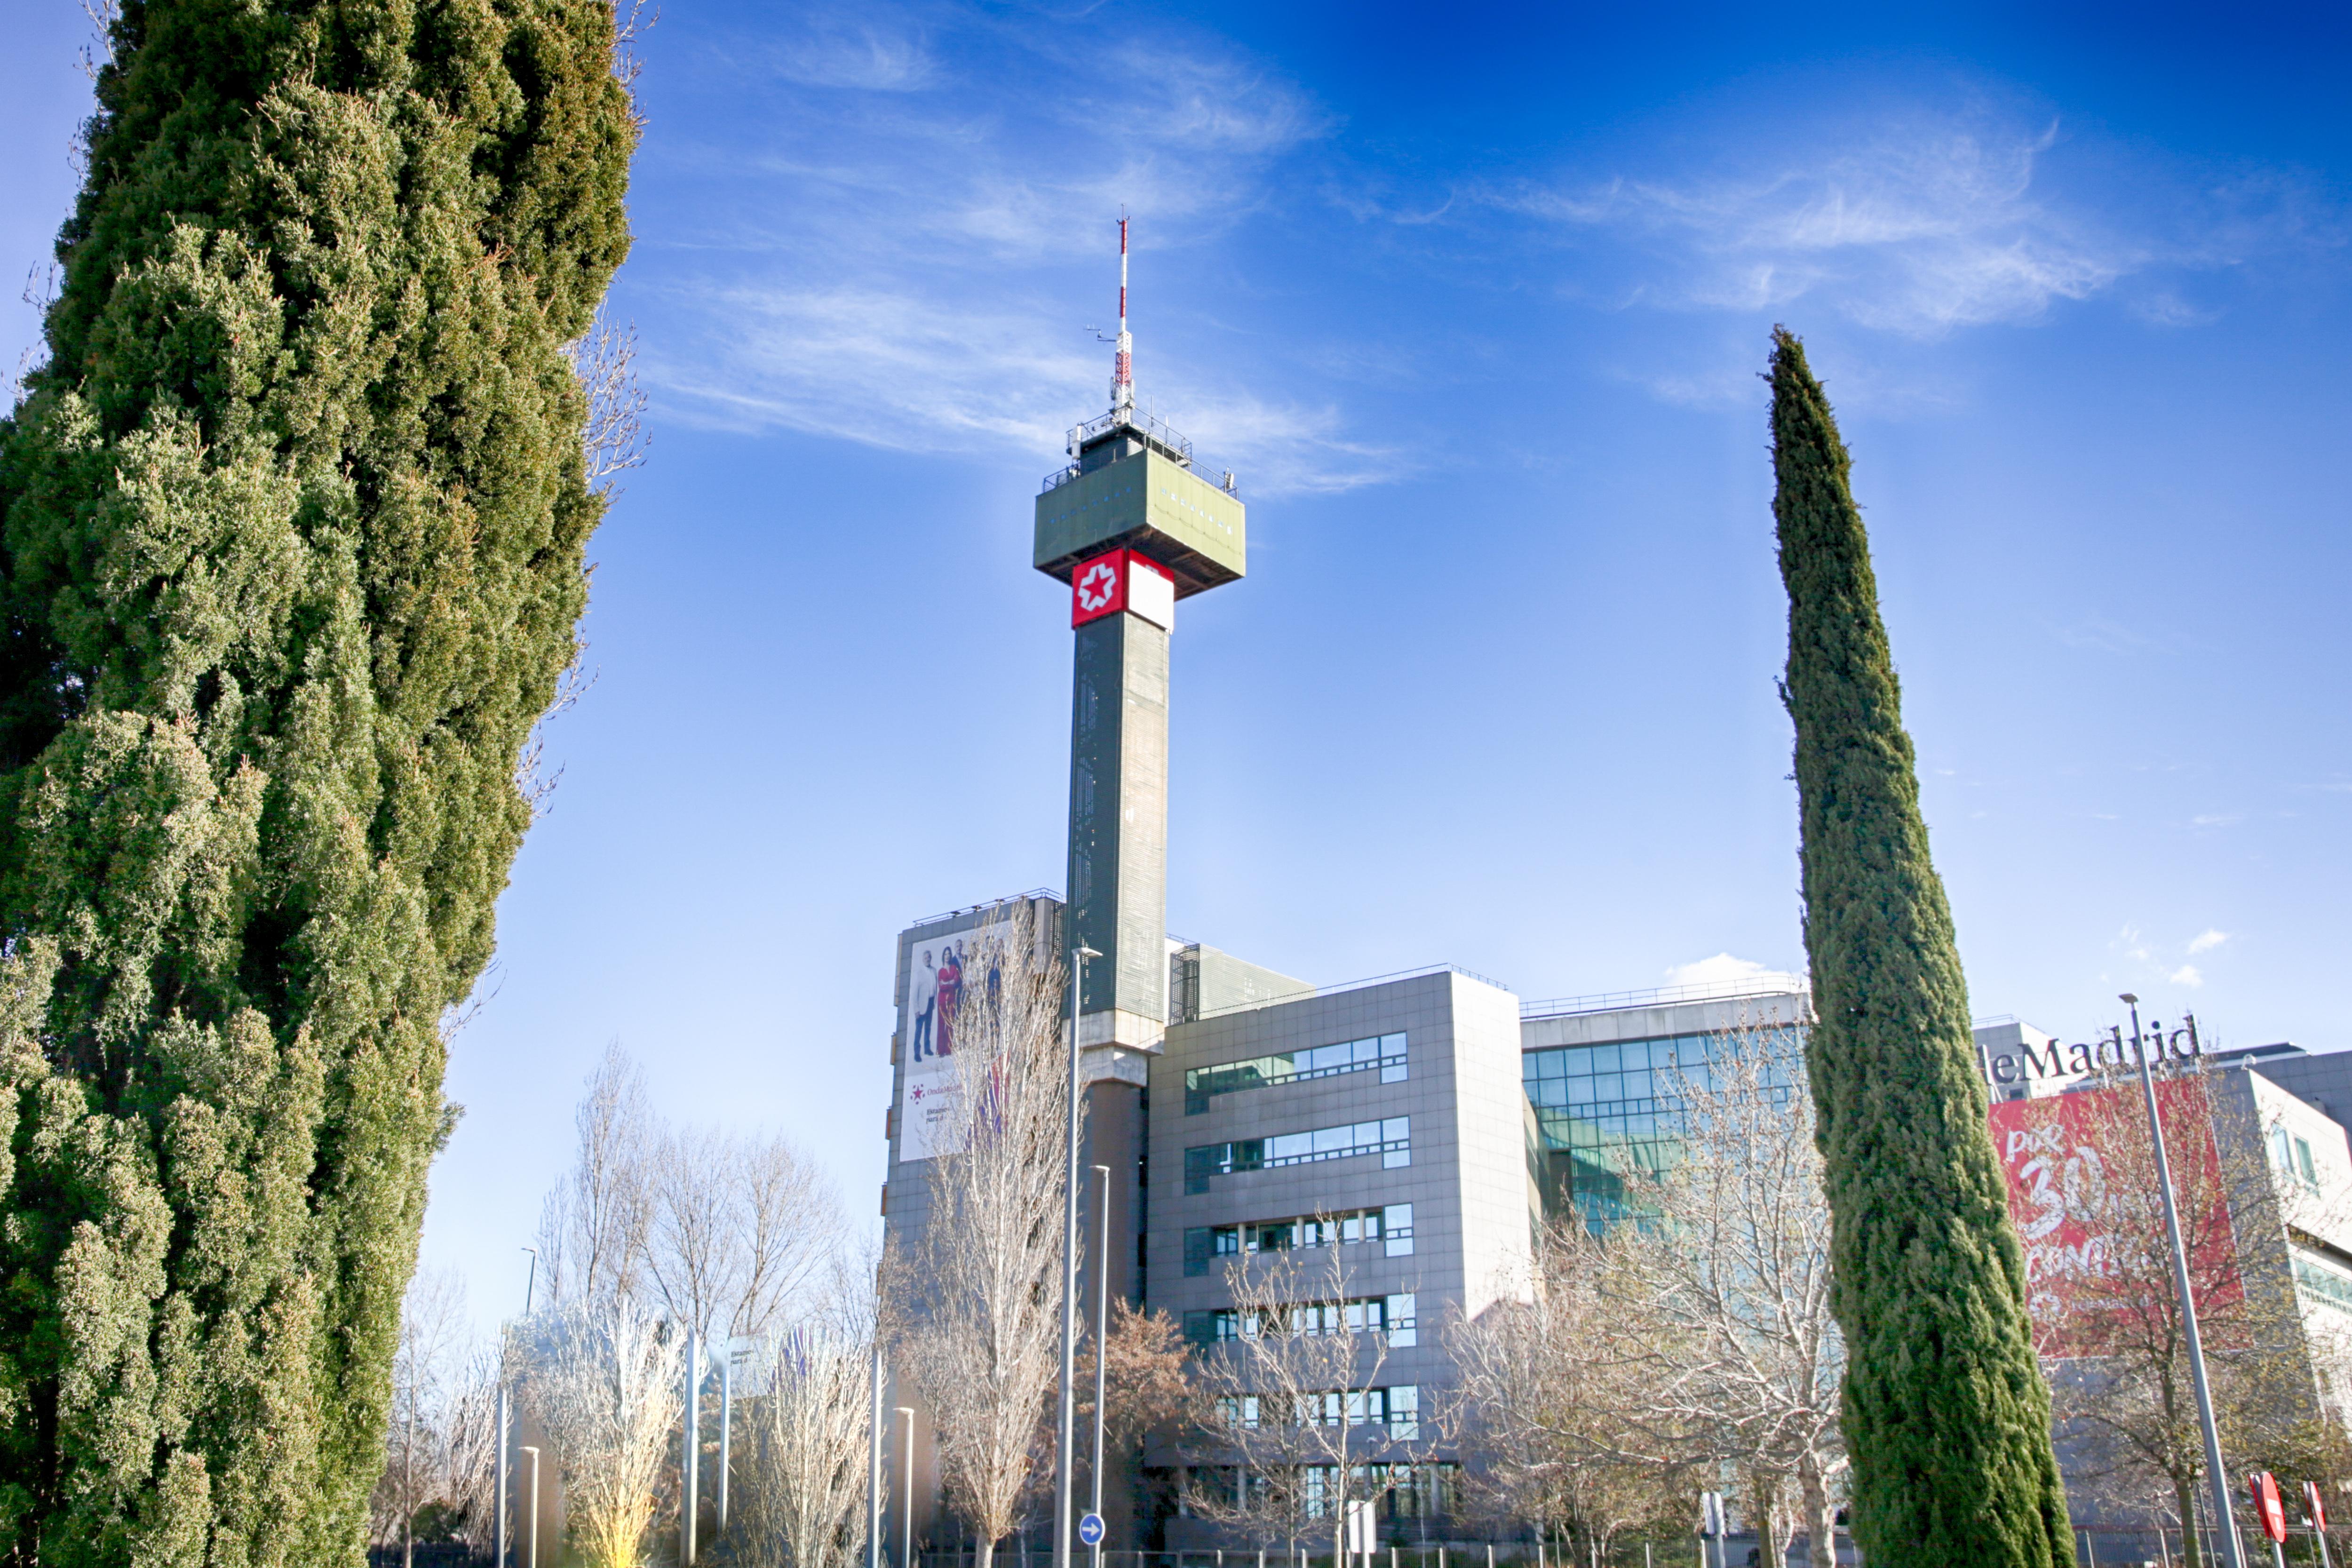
(926, 991)
(950, 986)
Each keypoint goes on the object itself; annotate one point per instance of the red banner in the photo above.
(2082, 1191)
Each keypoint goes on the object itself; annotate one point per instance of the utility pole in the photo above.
(1067, 1423)
(2225, 1526)
(1102, 1341)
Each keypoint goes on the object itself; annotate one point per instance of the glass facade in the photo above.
(1405, 1493)
(1391, 1139)
(1390, 1226)
(1610, 1114)
(1383, 1053)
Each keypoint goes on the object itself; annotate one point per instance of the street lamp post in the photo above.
(531, 1538)
(906, 1496)
(1102, 1330)
(874, 1466)
(1067, 1434)
(499, 1510)
(2224, 1526)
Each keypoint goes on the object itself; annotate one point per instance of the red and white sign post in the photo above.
(2315, 1513)
(2269, 1508)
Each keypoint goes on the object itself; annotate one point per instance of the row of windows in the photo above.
(1391, 1315)
(2323, 1281)
(1401, 1492)
(1390, 1226)
(1384, 1052)
(1397, 1408)
(1391, 1139)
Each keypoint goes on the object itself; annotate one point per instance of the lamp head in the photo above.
(2129, 998)
(1089, 952)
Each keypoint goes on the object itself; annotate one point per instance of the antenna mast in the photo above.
(1122, 375)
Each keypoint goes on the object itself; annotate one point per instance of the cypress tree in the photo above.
(1945, 1411)
(291, 524)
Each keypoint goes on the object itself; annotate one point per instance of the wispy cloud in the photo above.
(929, 229)
(1920, 221)
(2207, 941)
(1720, 969)
(2187, 974)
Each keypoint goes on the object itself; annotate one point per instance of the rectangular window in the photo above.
(1391, 1139)
(1396, 1229)
(2303, 1163)
(1384, 1052)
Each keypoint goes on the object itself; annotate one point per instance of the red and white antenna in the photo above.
(1122, 374)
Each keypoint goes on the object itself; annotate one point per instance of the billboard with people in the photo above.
(927, 1087)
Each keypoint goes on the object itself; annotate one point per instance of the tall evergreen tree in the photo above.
(1946, 1414)
(291, 525)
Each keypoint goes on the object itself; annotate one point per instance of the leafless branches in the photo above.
(596, 1225)
(607, 1386)
(804, 1470)
(604, 358)
(980, 1333)
(1297, 1405)
(427, 1373)
(1691, 1337)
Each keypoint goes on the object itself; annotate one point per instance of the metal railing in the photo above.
(1765, 985)
(1151, 428)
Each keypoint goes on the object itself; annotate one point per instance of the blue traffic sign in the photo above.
(1090, 1530)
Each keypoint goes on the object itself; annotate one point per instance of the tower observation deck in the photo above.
(1132, 524)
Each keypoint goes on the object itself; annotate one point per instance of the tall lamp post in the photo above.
(906, 1496)
(1067, 1434)
(2224, 1525)
(1102, 1342)
(499, 1510)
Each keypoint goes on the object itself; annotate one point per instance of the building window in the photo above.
(1397, 1408)
(1390, 1225)
(1391, 1139)
(1393, 1316)
(1381, 1053)
(2323, 1281)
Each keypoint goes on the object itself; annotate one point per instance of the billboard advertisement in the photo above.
(927, 1093)
(2083, 1190)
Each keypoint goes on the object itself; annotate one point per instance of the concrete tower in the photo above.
(1132, 526)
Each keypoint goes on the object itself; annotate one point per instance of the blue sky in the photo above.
(1473, 300)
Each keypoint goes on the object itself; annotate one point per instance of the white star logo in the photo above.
(1097, 583)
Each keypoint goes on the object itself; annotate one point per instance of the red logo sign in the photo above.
(2313, 1509)
(2268, 1505)
(1099, 587)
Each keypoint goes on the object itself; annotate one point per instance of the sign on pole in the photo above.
(2269, 1507)
(1090, 1530)
(2315, 1512)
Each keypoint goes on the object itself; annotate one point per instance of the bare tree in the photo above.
(978, 1332)
(1298, 1407)
(1737, 1262)
(1692, 1335)
(739, 1227)
(1553, 1404)
(2106, 1311)
(473, 1450)
(594, 1228)
(607, 1386)
(806, 1425)
(426, 1368)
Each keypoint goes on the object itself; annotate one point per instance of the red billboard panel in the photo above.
(2083, 1192)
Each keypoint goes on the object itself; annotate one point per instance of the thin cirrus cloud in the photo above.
(1920, 222)
(939, 184)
